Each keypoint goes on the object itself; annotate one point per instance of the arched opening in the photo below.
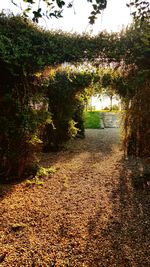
(63, 89)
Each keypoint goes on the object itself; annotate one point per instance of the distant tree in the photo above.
(110, 93)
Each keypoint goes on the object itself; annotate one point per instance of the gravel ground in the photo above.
(86, 214)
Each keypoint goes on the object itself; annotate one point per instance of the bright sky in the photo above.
(113, 18)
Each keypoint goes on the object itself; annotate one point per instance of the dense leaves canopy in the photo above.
(27, 48)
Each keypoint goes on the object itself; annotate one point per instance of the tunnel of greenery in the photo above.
(42, 99)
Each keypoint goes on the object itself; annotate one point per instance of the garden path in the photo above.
(86, 214)
(110, 119)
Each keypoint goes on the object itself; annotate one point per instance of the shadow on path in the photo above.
(125, 239)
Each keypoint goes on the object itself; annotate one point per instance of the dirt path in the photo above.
(85, 215)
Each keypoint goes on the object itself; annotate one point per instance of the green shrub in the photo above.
(64, 90)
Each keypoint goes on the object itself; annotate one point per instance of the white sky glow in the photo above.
(113, 18)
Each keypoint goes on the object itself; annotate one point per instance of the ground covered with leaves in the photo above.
(85, 214)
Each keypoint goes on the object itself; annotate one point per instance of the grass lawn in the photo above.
(92, 120)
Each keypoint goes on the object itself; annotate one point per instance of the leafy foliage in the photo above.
(54, 8)
(136, 75)
(26, 50)
(140, 9)
(63, 89)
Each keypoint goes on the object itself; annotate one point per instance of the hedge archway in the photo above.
(25, 51)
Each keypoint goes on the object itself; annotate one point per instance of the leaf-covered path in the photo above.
(86, 214)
